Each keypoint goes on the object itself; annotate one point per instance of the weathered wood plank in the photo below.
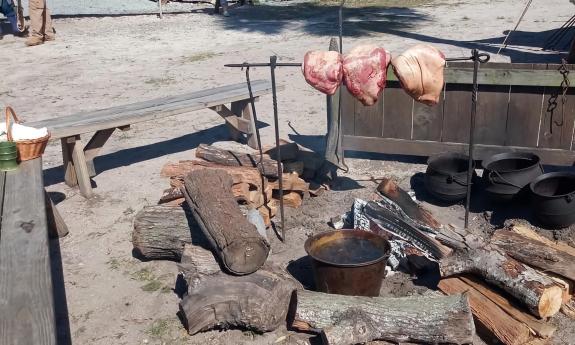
(56, 225)
(523, 119)
(149, 110)
(348, 104)
(27, 305)
(428, 148)
(397, 113)
(369, 119)
(491, 118)
(243, 109)
(507, 74)
(557, 119)
(456, 113)
(428, 121)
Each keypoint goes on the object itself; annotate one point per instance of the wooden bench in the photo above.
(79, 160)
(513, 114)
(27, 313)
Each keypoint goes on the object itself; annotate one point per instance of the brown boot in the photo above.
(50, 35)
(34, 41)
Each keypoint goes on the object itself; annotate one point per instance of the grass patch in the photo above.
(114, 264)
(160, 81)
(152, 286)
(143, 275)
(159, 328)
(375, 3)
(198, 57)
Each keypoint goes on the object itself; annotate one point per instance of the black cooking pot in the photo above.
(553, 199)
(446, 176)
(506, 174)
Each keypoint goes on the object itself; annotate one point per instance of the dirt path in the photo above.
(99, 62)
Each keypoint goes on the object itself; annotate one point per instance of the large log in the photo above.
(350, 319)
(536, 291)
(265, 165)
(490, 317)
(234, 240)
(258, 301)
(535, 253)
(161, 232)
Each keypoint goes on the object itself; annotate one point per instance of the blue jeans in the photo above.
(7, 9)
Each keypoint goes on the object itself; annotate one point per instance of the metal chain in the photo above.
(552, 102)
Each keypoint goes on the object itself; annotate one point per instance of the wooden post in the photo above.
(242, 108)
(56, 225)
(69, 172)
(80, 167)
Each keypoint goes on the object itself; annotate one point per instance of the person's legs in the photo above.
(224, 4)
(40, 23)
(7, 8)
(49, 32)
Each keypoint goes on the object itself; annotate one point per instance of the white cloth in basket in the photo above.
(21, 132)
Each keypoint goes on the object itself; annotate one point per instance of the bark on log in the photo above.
(350, 319)
(536, 291)
(535, 253)
(528, 232)
(234, 240)
(257, 301)
(197, 264)
(491, 318)
(161, 232)
(267, 167)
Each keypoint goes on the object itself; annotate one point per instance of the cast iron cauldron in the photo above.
(446, 176)
(553, 199)
(506, 174)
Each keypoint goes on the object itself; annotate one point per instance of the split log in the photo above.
(170, 195)
(490, 317)
(177, 171)
(291, 199)
(535, 290)
(539, 327)
(258, 301)
(389, 189)
(197, 264)
(535, 253)
(234, 240)
(161, 232)
(350, 320)
(291, 182)
(267, 166)
(413, 212)
(528, 232)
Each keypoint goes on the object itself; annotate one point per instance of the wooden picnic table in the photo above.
(27, 314)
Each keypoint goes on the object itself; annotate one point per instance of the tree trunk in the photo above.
(258, 301)
(160, 232)
(489, 316)
(535, 253)
(234, 240)
(268, 167)
(350, 320)
(536, 291)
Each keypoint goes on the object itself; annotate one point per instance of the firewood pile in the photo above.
(507, 286)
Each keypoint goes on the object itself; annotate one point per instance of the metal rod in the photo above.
(504, 44)
(470, 171)
(340, 26)
(273, 60)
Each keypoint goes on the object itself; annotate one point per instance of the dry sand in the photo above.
(102, 61)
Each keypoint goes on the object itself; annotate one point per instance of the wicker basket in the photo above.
(27, 149)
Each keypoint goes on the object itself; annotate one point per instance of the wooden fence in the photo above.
(514, 113)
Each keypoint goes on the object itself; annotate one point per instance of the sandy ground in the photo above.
(100, 61)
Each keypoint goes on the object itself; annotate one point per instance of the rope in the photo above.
(504, 44)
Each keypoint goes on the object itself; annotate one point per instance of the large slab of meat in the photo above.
(420, 72)
(323, 70)
(365, 72)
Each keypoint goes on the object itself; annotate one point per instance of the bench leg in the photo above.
(243, 109)
(80, 167)
(93, 148)
(69, 172)
(56, 226)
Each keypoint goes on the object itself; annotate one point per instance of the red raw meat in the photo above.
(365, 72)
(323, 70)
(420, 72)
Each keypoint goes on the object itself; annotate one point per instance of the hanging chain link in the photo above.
(552, 102)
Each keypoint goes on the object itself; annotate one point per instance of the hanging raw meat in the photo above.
(365, 72)
(420, 72)
(323, 70)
